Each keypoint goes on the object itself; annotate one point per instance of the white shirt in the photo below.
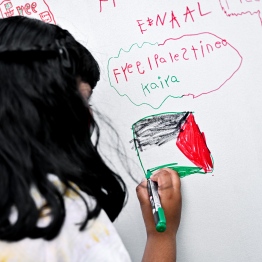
(98, 242)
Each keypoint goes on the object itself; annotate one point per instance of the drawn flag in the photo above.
(188, 155)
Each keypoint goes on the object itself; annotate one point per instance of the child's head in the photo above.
(45, 126)
(41, 69)
(21, 33)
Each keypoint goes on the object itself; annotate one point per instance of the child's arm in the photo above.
(161, 246)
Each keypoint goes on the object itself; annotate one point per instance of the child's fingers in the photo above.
(166, 178)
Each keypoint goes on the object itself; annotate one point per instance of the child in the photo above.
(57, 196)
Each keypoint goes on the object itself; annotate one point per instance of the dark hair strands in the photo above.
(45, 128)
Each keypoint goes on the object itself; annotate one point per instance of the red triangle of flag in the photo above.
(192, 144)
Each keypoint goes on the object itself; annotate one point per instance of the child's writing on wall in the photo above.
(185, 53)
(159, 83)
(171, 19)
(38, 10)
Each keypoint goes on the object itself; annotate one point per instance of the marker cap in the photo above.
(161, 225)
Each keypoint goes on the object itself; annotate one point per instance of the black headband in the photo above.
(36, 53)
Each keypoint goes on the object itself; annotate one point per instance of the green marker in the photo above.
(158, 211)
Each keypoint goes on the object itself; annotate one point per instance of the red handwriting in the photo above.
(40, 10)
(171, 18)
(101, 1)
(185, 53)
(26, 8)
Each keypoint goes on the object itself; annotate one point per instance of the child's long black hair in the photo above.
(45, 127)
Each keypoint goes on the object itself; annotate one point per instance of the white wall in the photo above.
(222, 211)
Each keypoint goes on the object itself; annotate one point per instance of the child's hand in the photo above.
(170, 197)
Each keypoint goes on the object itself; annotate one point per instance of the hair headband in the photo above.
(37, 52)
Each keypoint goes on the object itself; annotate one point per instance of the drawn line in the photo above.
(124, 95)
(50, 11)
(242, 13)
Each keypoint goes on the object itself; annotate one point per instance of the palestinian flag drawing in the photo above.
(172, 140)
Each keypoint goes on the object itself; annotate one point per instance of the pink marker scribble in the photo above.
(242, 7)
(39, 10)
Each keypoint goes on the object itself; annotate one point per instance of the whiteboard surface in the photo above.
(222, 210)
